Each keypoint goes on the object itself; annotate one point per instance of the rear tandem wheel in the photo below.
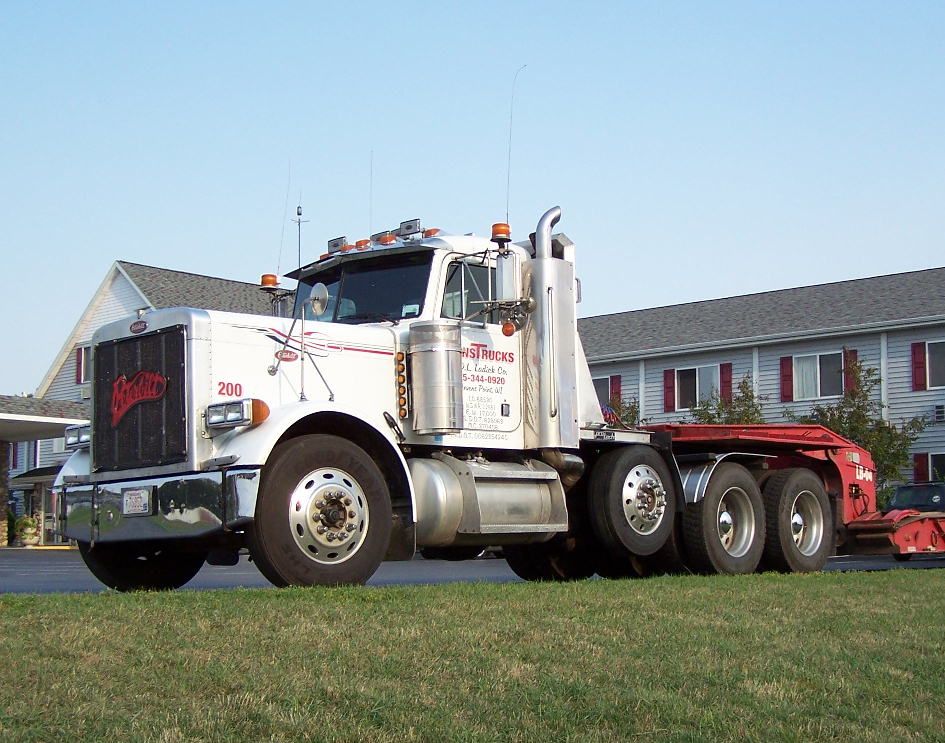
(725, 531)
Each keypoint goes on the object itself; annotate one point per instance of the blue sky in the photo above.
(697, 149)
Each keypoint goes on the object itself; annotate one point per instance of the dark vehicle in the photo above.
(920, 496)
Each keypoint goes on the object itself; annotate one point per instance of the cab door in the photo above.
(491, 361)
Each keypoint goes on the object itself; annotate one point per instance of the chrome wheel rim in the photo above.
(644, 499)
(328, 515)
(735, 521)
(807, 523)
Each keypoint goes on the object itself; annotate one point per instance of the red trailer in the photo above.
(846, 470)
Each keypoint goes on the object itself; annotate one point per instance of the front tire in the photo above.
(323, 516)
(140, 566)
(725, 531)
(798, 520)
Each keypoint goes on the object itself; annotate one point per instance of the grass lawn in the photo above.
(823, 657)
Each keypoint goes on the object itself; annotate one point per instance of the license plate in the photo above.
(136, 502)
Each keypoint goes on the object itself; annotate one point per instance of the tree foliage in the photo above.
(623, 412)
(858, 416)
(744, 407)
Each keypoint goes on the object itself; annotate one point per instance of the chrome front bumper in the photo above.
(180, 506)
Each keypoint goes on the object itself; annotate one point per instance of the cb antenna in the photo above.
(298, 220)
(508, 168)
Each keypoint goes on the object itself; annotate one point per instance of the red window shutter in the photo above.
(616, 387)
(920, 466)
(15, 457)
(787, 379)
(78, 366)
(725, 381)
(849, 357)
(669, 390)
(919, 377)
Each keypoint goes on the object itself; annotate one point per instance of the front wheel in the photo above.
(323, 516)
(141, 566)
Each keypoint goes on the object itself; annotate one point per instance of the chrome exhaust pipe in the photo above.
(543, 233)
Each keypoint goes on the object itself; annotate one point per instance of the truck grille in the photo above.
(139, 417)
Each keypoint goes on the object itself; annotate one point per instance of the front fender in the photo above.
(253, 446)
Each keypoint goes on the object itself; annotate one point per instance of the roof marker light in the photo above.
(501, 232)
(269, 279)
(431, 232)
(387, 239)
(363, 245)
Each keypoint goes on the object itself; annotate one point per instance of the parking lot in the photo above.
(62, 571)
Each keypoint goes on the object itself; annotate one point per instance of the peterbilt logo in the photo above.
(138, 326)
(143, 386)
(286, 354)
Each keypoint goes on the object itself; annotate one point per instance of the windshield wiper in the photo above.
(362, 316)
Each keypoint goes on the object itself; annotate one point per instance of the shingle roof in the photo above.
(163, 287)
(895, 299)
(44, 407)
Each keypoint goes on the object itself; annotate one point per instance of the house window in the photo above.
(818, 375)
(695, 385)
(602, 388)
(937, 467)
(936, 363)
(608, 388)
(83, 364)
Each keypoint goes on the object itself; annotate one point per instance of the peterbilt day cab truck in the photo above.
(427, 392)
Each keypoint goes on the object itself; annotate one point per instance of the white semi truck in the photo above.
(430, 392)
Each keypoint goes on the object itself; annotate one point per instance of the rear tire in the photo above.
(798, 522)
(725, 531)
(632, 504)
(323, 515)
(141, 566)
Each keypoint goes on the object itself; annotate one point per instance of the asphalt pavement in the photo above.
(62, 571)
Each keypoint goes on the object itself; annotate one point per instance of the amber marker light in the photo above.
(501, 232)
(387, 240)
(431, 232)
(260, 411)
(362, 244)
(508, 329)
(269, 279)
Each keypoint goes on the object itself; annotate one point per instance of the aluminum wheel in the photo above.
(807, 523)
(644, 499)
(736, 522)
(328, 515)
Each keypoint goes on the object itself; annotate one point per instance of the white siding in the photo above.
(740, 359)
(905, 404)
(769, 368)
(119, 299)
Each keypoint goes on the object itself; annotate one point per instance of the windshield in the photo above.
(922, 497)
(385, 288)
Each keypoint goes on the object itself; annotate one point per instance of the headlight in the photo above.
(78, 437)
(246, 412)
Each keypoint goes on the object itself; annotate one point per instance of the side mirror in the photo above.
(318, 297)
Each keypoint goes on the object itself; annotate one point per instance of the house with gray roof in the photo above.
(793, 344)
(33, 425)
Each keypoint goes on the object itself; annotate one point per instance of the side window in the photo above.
(936, 364)
(818, 375)
(468, 285)
(695, 385)
(602, 388)
(83, 364)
